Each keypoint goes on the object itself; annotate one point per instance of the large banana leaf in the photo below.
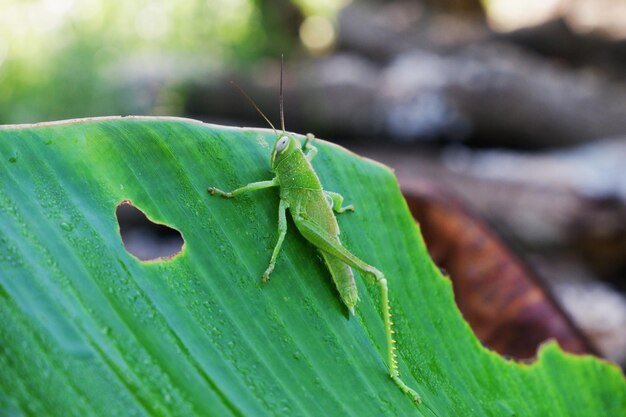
(86, 329)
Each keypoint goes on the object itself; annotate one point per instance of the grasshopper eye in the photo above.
(282, 144)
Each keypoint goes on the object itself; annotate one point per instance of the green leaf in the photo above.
(86, 329)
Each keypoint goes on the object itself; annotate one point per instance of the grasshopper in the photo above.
(312, 209)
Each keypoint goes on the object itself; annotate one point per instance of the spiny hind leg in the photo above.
(391, 342)
(335, 201)
(309, 150)
(392, 363)
(329, 244)
(282, 231)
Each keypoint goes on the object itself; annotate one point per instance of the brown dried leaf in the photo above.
(502, 300)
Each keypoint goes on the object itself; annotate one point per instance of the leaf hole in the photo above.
(145, 239)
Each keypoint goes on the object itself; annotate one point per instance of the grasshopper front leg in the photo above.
(310, 150)
(253, 186)
(282, 219)
(325, 242)
(282, 231)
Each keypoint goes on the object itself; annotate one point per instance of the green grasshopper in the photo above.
(311, 208)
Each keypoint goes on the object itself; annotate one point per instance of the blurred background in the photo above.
(504, 120)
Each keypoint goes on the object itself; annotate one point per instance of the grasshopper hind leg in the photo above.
(332, 247)
(391, 342)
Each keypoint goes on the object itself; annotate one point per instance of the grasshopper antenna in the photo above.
(282, 113)
(243, 93)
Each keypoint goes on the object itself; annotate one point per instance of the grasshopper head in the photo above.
(285, 145)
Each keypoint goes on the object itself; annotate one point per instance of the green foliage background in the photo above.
(118, 57)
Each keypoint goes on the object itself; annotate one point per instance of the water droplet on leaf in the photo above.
(67, 226)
